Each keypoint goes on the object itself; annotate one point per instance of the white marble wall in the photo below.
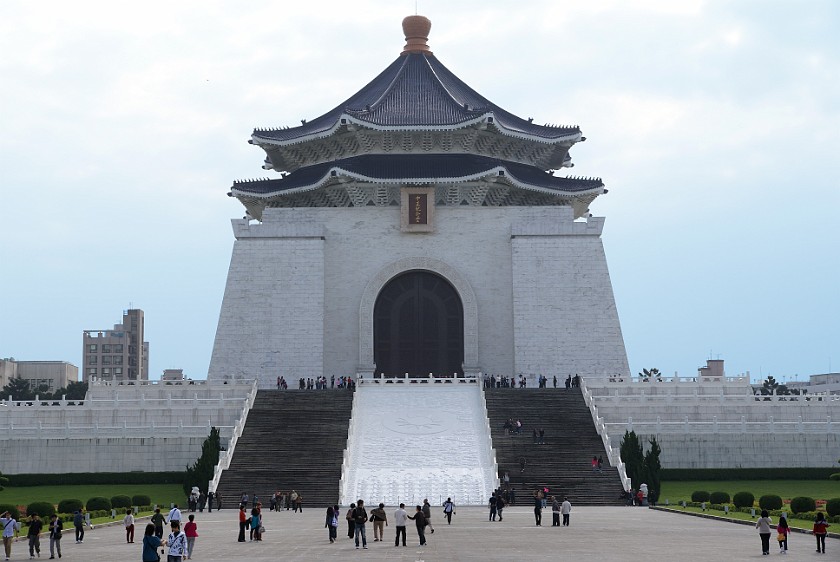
(294, 302)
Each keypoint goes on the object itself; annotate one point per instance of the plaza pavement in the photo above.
(595, 533)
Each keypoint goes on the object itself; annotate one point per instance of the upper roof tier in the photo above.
(416, 92)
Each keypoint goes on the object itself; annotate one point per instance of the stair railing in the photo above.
(227, 455)
(346, 458)
(489, 434)
(613, 453)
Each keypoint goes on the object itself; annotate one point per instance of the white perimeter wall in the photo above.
(296, 284)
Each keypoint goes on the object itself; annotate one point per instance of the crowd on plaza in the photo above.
(319, 383)
(502, 381)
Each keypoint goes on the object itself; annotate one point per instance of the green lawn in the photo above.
(161, 494)
(817, 489)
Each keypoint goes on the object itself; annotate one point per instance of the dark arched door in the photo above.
(418, 326)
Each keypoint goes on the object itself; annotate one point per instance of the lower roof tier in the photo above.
(416, 169)
(376, 180)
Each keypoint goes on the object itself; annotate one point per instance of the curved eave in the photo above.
(496, 173)
(485, 120)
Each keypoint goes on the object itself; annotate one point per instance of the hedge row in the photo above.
(22, 480)
(833, 516)
(718, 474)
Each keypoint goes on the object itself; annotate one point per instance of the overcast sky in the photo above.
(715, 126)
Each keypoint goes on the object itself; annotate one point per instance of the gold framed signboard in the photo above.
(417, 209)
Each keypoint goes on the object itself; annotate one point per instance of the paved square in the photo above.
(595, 533)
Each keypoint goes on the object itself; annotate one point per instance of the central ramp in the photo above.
(408, 442)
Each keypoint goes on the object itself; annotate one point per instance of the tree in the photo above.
(201, 472)
(653, 467)
(650, 374)
(18, 389)
(76, 391)
(3, 480)
(633, 457)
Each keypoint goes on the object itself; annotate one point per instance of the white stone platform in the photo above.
(410, 442)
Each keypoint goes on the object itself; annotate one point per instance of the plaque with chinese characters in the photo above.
(417, 209)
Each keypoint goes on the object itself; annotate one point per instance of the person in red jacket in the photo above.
(191, 530)
(243, 519)
(820, 530)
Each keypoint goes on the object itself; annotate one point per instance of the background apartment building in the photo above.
(118, 355)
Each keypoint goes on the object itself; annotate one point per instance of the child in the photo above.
(820, 530)
(783, 531)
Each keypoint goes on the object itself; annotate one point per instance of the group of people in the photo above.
(12, 527)
(180, 542)
(198, 500)
(318, 383)
(357, 519)
(280, 500)
(765, 525)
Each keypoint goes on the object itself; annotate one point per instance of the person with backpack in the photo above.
(820, 530)
(448, 510)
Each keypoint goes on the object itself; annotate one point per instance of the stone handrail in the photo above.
(345, 458)
(405, 379)
(687, 426)
(227, 455)
(613, 453)
(489, 434)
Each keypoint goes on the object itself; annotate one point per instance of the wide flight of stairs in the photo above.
(563, 463)
(292, 440)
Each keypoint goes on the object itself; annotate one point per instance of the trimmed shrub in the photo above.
(835, 476)
(43, 509)
(832, 506)
(743, 499)
(4, 507)
(98, 503)
(141, 500)
(770, 502)
(69, 506)
(118, 502)
(719, 497)
(63, 479)
(801, 504)
(700, 496)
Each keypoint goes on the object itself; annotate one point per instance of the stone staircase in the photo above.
(563, 463)
(293, 439)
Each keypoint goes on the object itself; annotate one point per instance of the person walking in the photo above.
(448, 510)
(427, 512)
(175, 514)
(191, 532)
(492, 503)
(293, 500)
(79, 525)
(360, 517)
(566, 509)
(158, 520)
(555, 512)
(34, 535)
(380, 521)
(243, 522)
(350, 522)
(820, 530)
(500, 505)
(210, 497)
(9, 526)
(400, 517)
(128, 523)
(331, 522)
(55, 535)
(763, 526)
(420, 521)
(782, 529)
(177, 542)
(151, 544)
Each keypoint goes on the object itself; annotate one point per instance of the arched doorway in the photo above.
(418, 326)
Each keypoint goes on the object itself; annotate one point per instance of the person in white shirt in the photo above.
(177, 542)
(9, 527)
(566, 509)
(400, 518)
(128, 522)
(175, 514)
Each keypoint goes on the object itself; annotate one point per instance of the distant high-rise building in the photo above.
(118, 355)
